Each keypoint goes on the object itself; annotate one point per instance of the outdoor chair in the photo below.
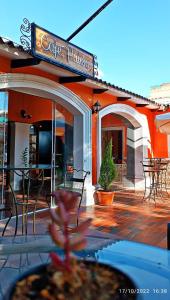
(74, 181)
(26, 200)
(3, 209)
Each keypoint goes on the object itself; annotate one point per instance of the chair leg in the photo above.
(3, 232)
(16, 223)
(144, 195)
(78, 211)
(34, 219)
(26, 219)
(77, 218)
(48, 202)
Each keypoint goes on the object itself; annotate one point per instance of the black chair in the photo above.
(74, 180)
(3, 209)
(26, 200)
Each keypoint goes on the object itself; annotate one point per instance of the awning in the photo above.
(163, 123)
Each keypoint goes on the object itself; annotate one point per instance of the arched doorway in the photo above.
(138, 139)
(45, 88)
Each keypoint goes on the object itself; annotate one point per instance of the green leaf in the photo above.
(108, 169)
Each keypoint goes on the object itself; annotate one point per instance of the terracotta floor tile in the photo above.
(128, 217)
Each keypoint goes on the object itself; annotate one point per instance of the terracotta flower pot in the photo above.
(105, 198)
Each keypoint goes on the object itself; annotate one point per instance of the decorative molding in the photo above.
(137, 119)
(25, 38)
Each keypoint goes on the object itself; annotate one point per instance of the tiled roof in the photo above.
(11, 44)
(108, 84)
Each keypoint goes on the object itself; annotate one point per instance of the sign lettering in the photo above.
(54, 49)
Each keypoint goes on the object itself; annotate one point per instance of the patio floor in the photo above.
(128, 218)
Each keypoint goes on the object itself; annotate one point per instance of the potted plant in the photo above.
(107, 174)
(67, 277)
(25, 157)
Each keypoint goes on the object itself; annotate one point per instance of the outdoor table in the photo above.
(24, 174)
(148, 266)
(157, 178)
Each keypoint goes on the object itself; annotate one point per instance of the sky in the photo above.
(131, 38)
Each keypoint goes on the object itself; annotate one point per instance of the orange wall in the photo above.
(159, 142)
(112, 121)
(41, 109)
(4, 65)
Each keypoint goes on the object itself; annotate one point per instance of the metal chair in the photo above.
(4, 209)
(27, 198)
(154, 171)
(74, 180)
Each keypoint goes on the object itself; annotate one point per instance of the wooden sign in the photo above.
(56, 50)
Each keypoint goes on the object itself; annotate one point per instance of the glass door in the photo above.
(58, 148)
(53, 152)
(3, 139)
(62, 144)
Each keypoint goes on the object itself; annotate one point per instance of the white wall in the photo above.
(19, 141)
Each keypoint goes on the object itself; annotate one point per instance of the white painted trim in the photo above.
(137, 119)
(46, 88)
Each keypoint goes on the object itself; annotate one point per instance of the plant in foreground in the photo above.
(69, 239)
(68, 278)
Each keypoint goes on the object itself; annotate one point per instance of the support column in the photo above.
(135, 151)
(78, 142)
(81, 157)
(18, 142)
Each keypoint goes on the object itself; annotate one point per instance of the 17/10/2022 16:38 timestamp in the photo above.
(143, 291)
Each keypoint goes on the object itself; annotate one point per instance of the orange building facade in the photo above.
(49, 109)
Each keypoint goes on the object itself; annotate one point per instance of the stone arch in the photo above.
(46, 88)
(138, 137)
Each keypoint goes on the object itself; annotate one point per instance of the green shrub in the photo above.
(108, 169)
